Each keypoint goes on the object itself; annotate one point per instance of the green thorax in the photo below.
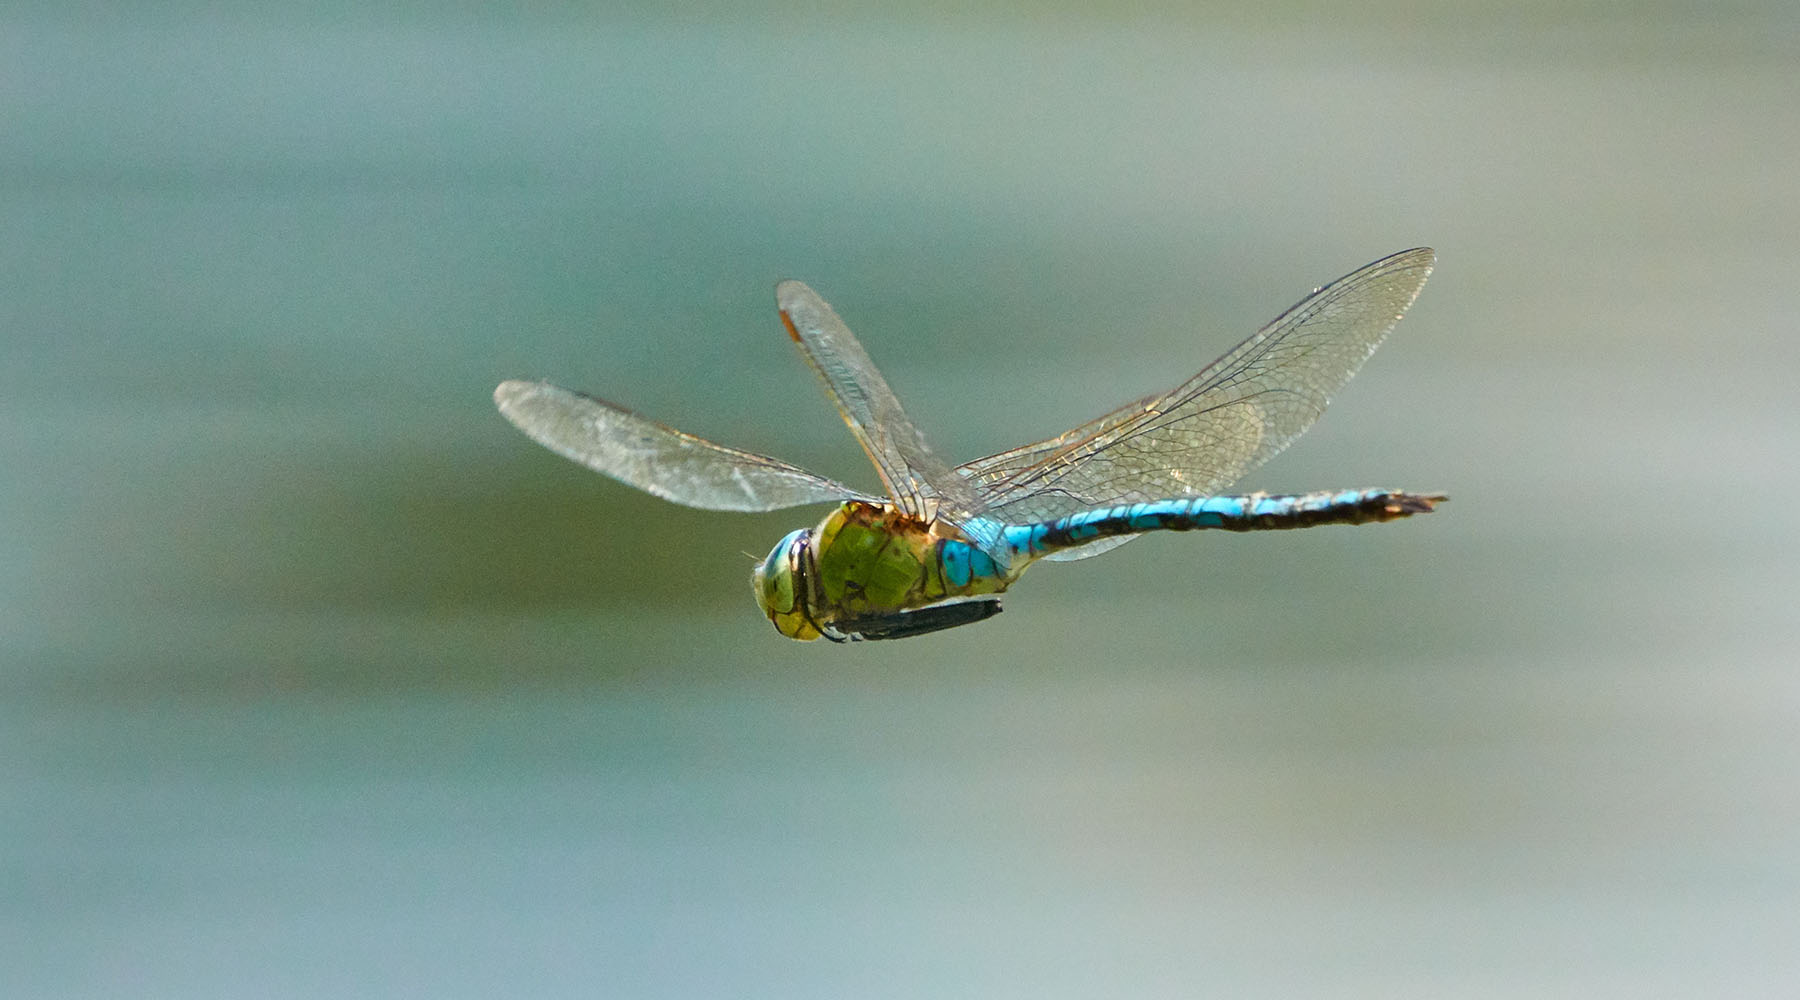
(875, 559)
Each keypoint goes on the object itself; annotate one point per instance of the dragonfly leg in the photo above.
(902, 624)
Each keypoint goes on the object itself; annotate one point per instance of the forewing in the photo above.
(656, 458)
(918, 481)
(1206, 433)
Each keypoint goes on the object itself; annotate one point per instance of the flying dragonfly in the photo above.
(941, 545)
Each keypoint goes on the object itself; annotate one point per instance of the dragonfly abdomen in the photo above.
(1252, 512)
(964, 564)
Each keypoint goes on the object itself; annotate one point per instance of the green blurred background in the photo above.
(318, 679)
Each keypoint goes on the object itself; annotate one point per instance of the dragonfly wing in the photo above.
(1204, 434)
(918, 481)
(1091, 549)
(659, 459)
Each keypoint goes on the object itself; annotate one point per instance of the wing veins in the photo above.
(1180, 442)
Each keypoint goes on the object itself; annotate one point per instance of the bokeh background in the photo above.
(317, 679)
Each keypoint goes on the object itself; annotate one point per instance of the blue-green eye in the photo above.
(774, 579)
(779, 554)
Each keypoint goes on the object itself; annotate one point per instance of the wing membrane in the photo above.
(918, 481)
(1239, 412)
(657, 458)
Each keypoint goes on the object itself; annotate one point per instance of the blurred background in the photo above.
(318, 679)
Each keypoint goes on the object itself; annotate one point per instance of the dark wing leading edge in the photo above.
(918, 481)
(1203, 435)
(659, 459)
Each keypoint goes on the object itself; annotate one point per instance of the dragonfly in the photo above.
(939, 545)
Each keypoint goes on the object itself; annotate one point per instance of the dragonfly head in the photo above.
(783, 585)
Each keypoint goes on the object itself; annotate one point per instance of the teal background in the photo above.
(318, 679)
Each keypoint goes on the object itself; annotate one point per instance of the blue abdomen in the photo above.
(1252, 512)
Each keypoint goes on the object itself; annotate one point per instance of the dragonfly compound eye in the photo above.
(780, 582)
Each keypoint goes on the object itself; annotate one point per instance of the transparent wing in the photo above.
(659, 459)
(1206, 433)
(918, 481)
(1091, 549)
